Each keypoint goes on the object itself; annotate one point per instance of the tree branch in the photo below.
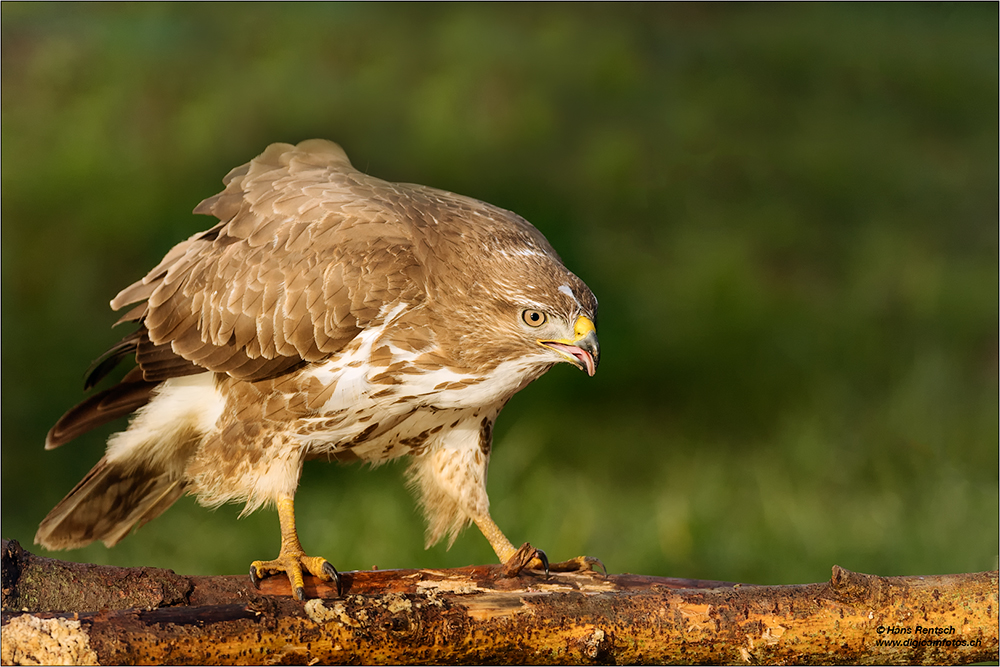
(55, 611)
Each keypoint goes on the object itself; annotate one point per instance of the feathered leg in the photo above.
(450, 481)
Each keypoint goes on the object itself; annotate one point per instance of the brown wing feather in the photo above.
(293, 272)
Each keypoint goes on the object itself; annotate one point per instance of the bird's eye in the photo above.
(533, 318)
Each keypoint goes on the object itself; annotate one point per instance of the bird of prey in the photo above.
(329, 314)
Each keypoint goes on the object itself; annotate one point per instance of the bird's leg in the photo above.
(514, 560)
(291, 558)
(527, 557)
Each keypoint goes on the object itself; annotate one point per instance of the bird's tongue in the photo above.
(578, 353)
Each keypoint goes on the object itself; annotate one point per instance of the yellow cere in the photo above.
(583, 327)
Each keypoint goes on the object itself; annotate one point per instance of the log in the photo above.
(71, 613)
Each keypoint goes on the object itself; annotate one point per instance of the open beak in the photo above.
(583, 351)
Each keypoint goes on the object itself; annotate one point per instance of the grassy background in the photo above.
(788, 212)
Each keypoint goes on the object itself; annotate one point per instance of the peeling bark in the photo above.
(473, 615)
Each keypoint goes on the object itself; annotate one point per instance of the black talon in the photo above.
(330, 570)
(601, 563)
(545, 561)
(300, 593)
(254, 579)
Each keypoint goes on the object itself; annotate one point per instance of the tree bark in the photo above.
(70, 613)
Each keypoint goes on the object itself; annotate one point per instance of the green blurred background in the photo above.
(788, 212)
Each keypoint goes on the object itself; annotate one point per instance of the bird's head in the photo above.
(516, 300)
(536, 318)
(553, 312)
(575, 342)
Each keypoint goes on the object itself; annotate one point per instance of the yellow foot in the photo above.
(292, 563)
(530, 558)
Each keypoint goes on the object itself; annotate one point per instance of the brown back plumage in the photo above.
(286, 277)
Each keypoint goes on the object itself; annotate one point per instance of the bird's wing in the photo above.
(309, 251)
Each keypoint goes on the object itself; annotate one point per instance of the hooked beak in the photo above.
(583, 351)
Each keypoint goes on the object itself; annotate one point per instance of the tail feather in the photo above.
(157, 363)
(125, 397)
(111, 500)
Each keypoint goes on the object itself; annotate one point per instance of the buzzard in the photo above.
(329, 314)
